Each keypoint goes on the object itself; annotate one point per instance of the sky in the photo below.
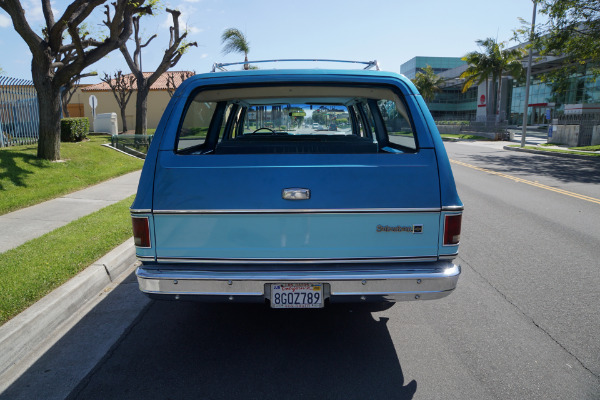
(391, 32)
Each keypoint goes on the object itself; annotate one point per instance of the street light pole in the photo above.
(527, 84)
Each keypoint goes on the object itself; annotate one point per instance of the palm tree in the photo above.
(495, 60)
(235, 42)
(428, 83)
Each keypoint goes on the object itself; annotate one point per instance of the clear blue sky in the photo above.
(391, 32)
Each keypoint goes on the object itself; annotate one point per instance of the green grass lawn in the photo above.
(555, 150)
(26, 180)
(463, 136)
(34, 269)
(587, 148)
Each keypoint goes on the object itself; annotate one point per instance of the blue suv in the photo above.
(242, 199)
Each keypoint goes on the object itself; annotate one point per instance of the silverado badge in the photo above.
(412, 229)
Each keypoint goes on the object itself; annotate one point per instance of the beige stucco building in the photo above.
(158, 98)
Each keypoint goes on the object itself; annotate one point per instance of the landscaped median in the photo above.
(544, 149)
(26, 180)
(32, 270)
(463, 136)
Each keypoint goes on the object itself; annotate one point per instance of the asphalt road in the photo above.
(524, 322)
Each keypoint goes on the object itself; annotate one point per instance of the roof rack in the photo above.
(221, 66)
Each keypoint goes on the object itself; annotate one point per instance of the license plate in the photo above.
(296, 295)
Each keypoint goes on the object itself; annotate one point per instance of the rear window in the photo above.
(296, 119)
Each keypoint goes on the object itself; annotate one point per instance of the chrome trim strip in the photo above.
(306, 211)
(453, 208)
(145, 258)
(140, 211)
(294, 261)
(448, 256)
(443, 269)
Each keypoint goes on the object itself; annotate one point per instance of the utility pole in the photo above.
(527, 84)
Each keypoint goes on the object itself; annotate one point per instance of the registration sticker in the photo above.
(297, 295)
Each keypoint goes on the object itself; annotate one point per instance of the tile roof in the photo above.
(160, 84)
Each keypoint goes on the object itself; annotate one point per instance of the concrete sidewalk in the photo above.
(29, 223)
(29, 335)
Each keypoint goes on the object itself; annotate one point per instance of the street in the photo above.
(522, 324)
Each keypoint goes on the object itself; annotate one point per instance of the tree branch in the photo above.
(148, 42)
(17, 14)
(120, 28)
(48, 14)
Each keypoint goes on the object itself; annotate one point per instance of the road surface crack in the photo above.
(531, 319)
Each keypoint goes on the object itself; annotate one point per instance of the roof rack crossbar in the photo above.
(221, 66)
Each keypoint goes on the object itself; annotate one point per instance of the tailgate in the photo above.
(362, 206)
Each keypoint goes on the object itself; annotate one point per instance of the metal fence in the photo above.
(487, 127)
(582, 126)
(136, 145)
(19, 116)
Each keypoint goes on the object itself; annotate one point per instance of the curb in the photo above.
(551, 153)
(27, 333)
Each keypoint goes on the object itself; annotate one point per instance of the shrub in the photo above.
(452, 122)
(74, 129)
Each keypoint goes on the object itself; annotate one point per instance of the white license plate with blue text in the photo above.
(297, 295)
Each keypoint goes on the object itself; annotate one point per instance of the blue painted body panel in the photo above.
(336, 181)
(294, 236)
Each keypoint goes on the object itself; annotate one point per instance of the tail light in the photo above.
(452, 229)
(141, 231)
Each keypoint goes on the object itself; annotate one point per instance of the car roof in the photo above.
(283, 75)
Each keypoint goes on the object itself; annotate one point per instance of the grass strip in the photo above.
(34, 269)
(463, 136)
(26, 180)
(555, 150)
(587, 148)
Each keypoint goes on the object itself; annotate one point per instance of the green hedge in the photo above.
(74, 129)
(452, 122)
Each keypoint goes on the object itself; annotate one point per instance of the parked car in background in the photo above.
(332, 127)
(230, 209)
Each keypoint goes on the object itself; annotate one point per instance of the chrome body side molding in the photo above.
(305, 211)
(285, 261)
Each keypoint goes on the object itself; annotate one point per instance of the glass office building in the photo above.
(546, 100)
(439, 64)
(451, 103)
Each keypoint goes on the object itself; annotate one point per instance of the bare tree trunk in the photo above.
(123, 119)
(49, 112)
(141, 105)
(65, 108)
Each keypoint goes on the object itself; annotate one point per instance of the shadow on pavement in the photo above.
(564, 169)
(69, 360)
(210, 351)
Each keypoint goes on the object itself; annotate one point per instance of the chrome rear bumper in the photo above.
(399, 283)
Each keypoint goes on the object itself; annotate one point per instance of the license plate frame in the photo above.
(297, 295)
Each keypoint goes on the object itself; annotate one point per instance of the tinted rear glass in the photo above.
(296, 119)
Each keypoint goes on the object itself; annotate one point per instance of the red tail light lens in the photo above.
(141, 231)
(452, 229)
